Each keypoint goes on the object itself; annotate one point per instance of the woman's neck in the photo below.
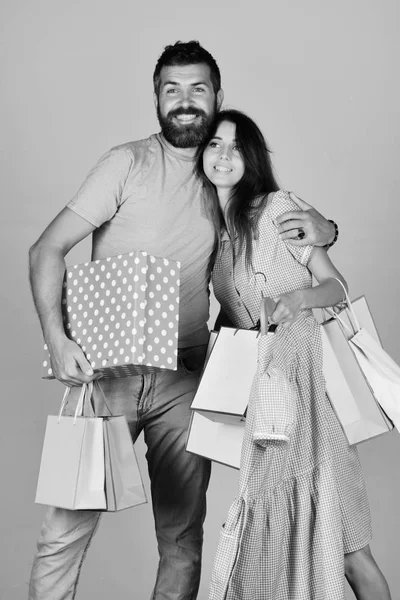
(224, 195)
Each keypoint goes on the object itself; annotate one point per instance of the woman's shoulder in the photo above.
(277, 203)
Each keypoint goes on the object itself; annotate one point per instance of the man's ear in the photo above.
(220, 99)
(155, 100)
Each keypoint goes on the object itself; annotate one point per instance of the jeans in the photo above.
(158, 404)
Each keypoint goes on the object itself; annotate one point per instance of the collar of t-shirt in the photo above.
(180, 153)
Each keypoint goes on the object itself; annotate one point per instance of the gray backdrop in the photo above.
(320, 79)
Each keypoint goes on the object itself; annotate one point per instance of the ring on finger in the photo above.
(301, 234)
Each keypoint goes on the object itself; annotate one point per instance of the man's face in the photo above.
(186, 104)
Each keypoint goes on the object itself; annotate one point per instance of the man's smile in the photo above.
(185, 118)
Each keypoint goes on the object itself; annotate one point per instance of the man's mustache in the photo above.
(186, 111)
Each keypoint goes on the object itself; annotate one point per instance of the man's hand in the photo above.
(69, 363)
(317, 230)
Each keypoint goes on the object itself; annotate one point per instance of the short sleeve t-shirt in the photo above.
(145, 196)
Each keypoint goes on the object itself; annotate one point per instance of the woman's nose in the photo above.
(225, 154)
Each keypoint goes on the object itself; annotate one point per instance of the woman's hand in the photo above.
(288, 307)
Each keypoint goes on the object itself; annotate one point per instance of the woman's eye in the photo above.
(213, 145)
(235, 148)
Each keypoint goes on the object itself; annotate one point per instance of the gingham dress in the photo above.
(301, 503)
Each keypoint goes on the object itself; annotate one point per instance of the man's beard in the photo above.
(190, 135)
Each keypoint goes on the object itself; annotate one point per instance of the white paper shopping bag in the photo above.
(348, 387)
(220, 442)
(381, 372)
(224, 387)
(124, 486)
(72, 465)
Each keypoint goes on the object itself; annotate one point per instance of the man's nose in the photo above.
(186, 99)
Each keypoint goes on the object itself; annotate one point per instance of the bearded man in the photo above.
(144, 195)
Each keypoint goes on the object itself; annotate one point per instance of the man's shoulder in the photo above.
(138, 148)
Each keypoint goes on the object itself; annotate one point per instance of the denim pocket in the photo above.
(192, 359)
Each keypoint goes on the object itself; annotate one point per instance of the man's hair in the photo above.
(186, 53)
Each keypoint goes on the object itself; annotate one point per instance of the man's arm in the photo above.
(318, 231)
(47, 268)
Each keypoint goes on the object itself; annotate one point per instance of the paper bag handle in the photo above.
(64, 401)
(351, 310)
(86, 393)
(84, 398)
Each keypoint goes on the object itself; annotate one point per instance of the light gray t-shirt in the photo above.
(144, 196)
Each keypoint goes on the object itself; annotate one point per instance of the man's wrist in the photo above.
(55, 339)
(335, 235)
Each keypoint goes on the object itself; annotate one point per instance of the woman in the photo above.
(251, 260)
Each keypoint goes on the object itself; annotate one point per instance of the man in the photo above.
(143, 195)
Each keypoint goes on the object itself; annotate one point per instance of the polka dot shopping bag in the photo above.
(123, 312)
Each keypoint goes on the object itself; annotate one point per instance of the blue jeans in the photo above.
(158, 404)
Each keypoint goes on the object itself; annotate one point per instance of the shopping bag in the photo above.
(348, 388)
(89, 462)
(223, 391)
(123, 311)
(380, 370)
(220, 442)
(123, 482)
(72, 470)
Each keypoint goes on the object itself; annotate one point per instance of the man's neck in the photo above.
(183, 152)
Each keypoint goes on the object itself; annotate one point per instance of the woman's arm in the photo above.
(328, 292)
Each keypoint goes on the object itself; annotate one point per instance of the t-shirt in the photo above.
(145, 196)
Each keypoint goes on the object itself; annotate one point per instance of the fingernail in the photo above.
(89, 372)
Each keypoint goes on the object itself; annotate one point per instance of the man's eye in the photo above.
(198, 90)
(172, 91)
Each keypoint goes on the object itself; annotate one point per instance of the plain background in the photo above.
(319, 78)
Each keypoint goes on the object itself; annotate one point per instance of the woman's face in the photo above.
(222, 161)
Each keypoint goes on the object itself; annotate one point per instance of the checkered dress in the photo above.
(302, 501)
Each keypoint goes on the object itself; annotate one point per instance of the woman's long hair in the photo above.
(249, 195)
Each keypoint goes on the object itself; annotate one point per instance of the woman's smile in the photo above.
(222, 161)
